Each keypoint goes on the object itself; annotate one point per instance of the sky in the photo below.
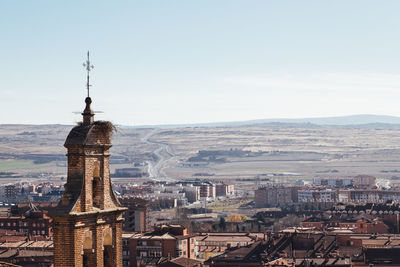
(176, 62)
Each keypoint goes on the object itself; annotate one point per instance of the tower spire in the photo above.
(88, 66)
(88, 113)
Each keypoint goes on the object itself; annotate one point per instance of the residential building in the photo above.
(207, 190)
(349, 181)
(364, 181)
(368, 195)
(136, 218)
(34, 222)
(294, 249)
(359, 224)
(273, 196)
(168, 241)
(26, 252)
(316, 194)
(250, 255)
(212, 244)
(223, 190)
(125, 249)
(10, 192)
(333, 181)
(192, 193)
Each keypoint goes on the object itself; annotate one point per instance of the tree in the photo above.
(194, 226)
(222, 223)
(237, 218)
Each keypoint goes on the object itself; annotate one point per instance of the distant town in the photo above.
(329, 221)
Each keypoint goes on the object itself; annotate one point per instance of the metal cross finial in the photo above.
(88, 67)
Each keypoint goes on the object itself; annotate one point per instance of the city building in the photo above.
(10, 192)
(212, 244)
(274, 196)
(136, 217)
(125, 249)
(207, 190)
(291, 249)
(24, 251)
(333, 181)
(387, 212)
(223, 190)
(368, 195)
(88, 218)
(316, 194)
(364, 181)
(359, 224)
(192, 193)
(250, 255)
(166, 241)
(359, 181)
(33, 222)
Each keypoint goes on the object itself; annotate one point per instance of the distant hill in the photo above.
(351, 121)
(362, 121)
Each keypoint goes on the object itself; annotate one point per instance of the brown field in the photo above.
(323, 151)
(278, 152)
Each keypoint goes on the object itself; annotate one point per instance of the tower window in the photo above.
(96, 192)
(96, 187)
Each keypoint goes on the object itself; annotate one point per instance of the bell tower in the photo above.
(88, 218)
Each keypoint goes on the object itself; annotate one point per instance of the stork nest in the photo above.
(106, 128)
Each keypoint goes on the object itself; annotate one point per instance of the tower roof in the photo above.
(95, 133)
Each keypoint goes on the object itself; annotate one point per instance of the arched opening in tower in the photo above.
(87, 256)
(96, 187)
(108, 251)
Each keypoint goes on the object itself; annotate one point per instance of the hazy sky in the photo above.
(161, 62)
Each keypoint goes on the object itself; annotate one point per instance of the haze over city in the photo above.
(175, 62)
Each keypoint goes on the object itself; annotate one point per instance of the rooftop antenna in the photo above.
(88, 67)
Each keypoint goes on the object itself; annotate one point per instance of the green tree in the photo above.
(222, 223)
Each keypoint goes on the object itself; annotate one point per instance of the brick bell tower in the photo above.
(88, 218)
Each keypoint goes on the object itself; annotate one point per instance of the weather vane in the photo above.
(88, 67)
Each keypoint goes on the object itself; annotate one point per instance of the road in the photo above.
(164, 154)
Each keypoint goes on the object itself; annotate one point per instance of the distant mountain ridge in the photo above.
(364, 120)
(357, 121)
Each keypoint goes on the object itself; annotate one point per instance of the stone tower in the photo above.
(88, 218)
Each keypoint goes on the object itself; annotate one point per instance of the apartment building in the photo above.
(315, 194)
(34, 222)
(274, 196)
(223, 190)
(136, 218)
(166, 241)
(368, 195)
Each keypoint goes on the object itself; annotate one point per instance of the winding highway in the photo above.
(163, 153)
